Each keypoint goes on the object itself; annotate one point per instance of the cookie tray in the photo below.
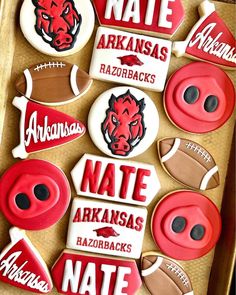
(212, 273)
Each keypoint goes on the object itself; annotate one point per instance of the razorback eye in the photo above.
(45, 16)
(22, 201)
(41, 192)
(134, 123)
(179, 224)
(66, 11)
(197, 232)
(191, 94)
(211, 103)
(115, 120)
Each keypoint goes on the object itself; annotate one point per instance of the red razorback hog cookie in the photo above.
(209, 40)
(77, 273)
(164, 276)
(22, 266)
(185, 225)
(34, 194)
(53, 83)
(158, 16)
(199, 97)
(189, 163)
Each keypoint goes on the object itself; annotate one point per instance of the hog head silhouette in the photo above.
(57, 22)
(123, 127)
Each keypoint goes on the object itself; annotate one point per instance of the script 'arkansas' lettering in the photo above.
(132, 44)
(94, 181)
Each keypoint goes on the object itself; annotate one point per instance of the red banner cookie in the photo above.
(22, 266)
(209, 40)
(158, 16)
(115, 180)
(185, 225)
(164, 276)
(53, 83)
(189, 163)
(76, 273)
(34, 194)
(43, 128)
(199, 97)
(106, 228)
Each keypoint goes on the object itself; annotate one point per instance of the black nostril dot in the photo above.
(191, 94)
(179, 224)
(126, 147)
(211, 103)
(22, 201)
(41, 192)
(58, 42)
(116, 146)
(67, 39)
(197, 232)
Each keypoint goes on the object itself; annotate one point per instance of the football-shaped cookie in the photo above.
(189, 163)
(163, 276)
(53, 83)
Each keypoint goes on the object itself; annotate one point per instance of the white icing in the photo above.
(189, 293)
(207, 177)
(71, 276)
(150, 12)
(153, 268)
(73, 80)
(179, 273)
(114, 6)
(132, 10)
(172, 151)
(120, 280)
(88, 283)
(164, 13)
(107, 270)
(200, 151)
(49, 65)
(29, 83)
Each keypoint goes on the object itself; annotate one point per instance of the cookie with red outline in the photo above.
(199, 97)
(157, 16)
(53, 83)
(80, 273)
(209, 40)
(164, 276)
(43, 128)
(186, 225)
(189, 163)
(22, 266)
(34, 194)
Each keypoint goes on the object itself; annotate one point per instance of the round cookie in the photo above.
(123, 122)
(199, 97)
(189, 163)
(185, 225)
(57, 27)
(34, 194)
(164, 276)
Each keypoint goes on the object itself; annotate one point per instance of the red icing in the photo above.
(196, 209)
(210, 80)
(22, 177)
(130, 60)
(211, 38)
(56, 128)
(174, 16)
(56, 19)
(20, 263)
(106, 232)
(102, 269)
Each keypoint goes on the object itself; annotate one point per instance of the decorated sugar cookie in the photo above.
(123, 122)
(57, 27)
(199, 97)
(156, 16)
(78, 273)
(209, 40)
(164, 276)
(189, 163)
(185, 225)
(115, 180)
(53, 83)
(34, 194)
(22, 266)
(43, 128)
(125, 58)
(106, 228)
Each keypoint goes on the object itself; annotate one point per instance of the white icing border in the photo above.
(207, 177)
(73, 82)
(20, 151)
(189, 293)
(154, 267)
(205, 9)
(29, 83)
(172, 151)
